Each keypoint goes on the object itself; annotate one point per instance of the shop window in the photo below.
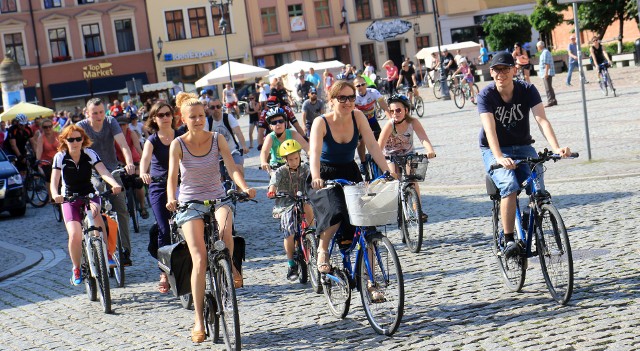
(175, 25)
(198, 22)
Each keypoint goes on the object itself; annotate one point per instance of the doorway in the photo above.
(394, 52)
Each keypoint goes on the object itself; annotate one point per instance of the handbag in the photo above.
(175, 260)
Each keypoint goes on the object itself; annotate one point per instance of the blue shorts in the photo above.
(196, 211)
(509, 180)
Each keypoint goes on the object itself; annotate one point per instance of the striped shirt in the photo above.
(200, 175)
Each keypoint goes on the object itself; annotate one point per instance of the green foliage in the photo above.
(598, 15)
(545, 16)
(504, 29)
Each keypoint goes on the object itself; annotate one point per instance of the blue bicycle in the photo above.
(541, 222)
(376, 272)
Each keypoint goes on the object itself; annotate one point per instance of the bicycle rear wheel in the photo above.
(298, 256)
(603, 84)
(412, 226)
(103, 275)
(382, 297)
(458, 97)
(554, 251)
(37, 190)
(117, 257)
(57, 212)
(336, 286)
(227, 298)
(211, 318)
(311, 248)
(419, 105)
(131, 207)
(437, 90)
(513, 269)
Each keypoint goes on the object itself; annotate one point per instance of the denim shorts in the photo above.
(197, 211)
(509, 180)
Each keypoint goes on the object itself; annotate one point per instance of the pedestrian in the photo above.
(254, 109)
(547, 71)
(311, 108)
(484, 55)
(572, 52)
(392, 75)
(328, 79)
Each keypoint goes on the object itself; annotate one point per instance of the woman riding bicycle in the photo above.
(155, 163)
(467, 76)
(334, 138)
(74, 163)
(196, 155)
(46, 147)
(522, 60)
(598, 55)
(396, 138)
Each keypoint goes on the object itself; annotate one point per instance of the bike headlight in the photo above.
(15, 179)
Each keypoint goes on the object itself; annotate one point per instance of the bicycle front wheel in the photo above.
(133, 213)
(311, 248)
(437, 90)
(610, 83)
(103, 275)
(89, 281)
(37, 191)
(419, 105)
(458, 97)
(514, 268)
(603, 84)
(381, 285)
(57, 212)
(412, 226)
(336, 286)
(227, 300)
(117, 257)
(554, 252)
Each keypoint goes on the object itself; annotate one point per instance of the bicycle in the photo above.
(376, 272)
(94, 254)
(604, 80)
(410, 169)
(131, 182)
(541, 222)
(437, 87)
(306, 243)
(220, 293)
(35, 184)
(116, 271)
(463, 91)
(417, 104)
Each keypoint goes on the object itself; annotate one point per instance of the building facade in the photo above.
(71, 50)
(188, 39)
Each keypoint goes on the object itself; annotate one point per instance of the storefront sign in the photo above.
(381, 30)
(99, 70)
(189, 55)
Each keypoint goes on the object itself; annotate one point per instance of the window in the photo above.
(198, 22)
(49, 4)
(175, 25)
(363, 10)
(8, 6)
(459, 35)
(367, 51)
(13, 42)
(92, 44)
(322, 13)
(390, 8)
(423, 42)
(124, 35)
(58, 44)
(417, 6)
(313, 55)
(215, 14)
(296, 21)
(82, 2)
(269, 21)
(295, 10)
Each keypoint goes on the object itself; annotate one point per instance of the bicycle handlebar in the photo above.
(297, 197)
(331, 183)
(89, 196)
(232, 194)
(542, 157)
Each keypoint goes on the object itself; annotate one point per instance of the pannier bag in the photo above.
(175, 260)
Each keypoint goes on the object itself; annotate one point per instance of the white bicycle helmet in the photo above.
(22, 119)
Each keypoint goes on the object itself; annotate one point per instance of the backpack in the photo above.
(225, 120)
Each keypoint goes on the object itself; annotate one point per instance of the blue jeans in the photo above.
(508, 180)
(572, 65)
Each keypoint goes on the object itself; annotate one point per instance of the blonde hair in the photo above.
(184, 100)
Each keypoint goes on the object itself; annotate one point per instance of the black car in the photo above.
(12, 197)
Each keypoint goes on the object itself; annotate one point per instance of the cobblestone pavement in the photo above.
(455, 298)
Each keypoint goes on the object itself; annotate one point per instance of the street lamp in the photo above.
(443, 80)
(223, 27)
(345, 20)
(160, 44)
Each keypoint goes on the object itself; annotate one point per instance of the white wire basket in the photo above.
(372, 204)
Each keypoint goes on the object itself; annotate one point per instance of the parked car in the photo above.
(12, 197)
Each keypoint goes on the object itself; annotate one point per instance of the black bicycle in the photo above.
(131, 182)
(35, 184)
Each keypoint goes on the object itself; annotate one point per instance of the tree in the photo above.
(546, 17)
(598, 15)
(504, 29)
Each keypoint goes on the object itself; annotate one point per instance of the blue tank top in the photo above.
(334, 152)
(160, 156)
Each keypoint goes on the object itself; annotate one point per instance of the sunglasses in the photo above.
(215, 107)
(313, 93)
(163, 115)
(71, 140)
(47, 127)
(398, 110)
(503, 70)
(275, 123)
(343, 98)
(360, 85)
(252, 98)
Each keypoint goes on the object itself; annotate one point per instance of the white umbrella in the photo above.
(321, 66)
(467, 48)
(291, 68)
(239, 72)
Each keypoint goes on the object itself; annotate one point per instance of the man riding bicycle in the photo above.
(408, 77)
(599, 56)
(504, 111)
(366, 99)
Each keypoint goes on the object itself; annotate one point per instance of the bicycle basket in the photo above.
(416, 168)
(372, 204)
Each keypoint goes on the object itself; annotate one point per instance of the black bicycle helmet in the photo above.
(399, 98)
(275, 112)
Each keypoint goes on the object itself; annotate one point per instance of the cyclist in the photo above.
(18, 136)
(396, 138)
(522, 60)
(334, 138)
(303, 86)
(133, 141)
(156, 155)
(230, 99)
(599, 56)
(196, 155)
(46, 147)
(254, 115)
(467, 76)
(74, 163)
(407, 76)
(311, 108)
(366, 99)
(504, 107)
(276, 120)
(103, 131)
(227, 125)
(290, 118)
(448, 62)
(290, 178)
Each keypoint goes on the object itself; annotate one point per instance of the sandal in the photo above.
(375, 293)
(163, 285)
(197, 335)
(238, 281)
(323, 261)
(144, 214)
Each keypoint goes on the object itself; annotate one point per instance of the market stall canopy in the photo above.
(295, 67)
(239, 72)
(469, 49)
(162, 86)
(30, 110)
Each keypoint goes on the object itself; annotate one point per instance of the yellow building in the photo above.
(188, 41)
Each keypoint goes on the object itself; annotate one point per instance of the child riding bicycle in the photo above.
(276, 118)
(467, 76)
(289, 179)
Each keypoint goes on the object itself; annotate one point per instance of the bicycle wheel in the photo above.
(89, 281)
(298, 256)
(37, 190)
(437, 90)
(132, 208)
(419, 105)
(603, 84)
(458, 97)
(554, 251)
(476, 91)
(211, 318)
(311, 246)
(610, 83)
(513, 269)
(117, 257)
(412, 226)
(382, 297)
(227, 297)
(57, 212)
(336, 286)
(103, 275)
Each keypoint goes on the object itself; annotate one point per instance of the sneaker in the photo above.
(510, 250)
(112, 262)
(292, 273)
(126, 259)
(76, 277)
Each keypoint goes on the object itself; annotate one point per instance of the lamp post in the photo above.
(160, 44)
(443, 79)
(223, 27)
(344, 14)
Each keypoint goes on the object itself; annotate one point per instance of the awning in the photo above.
(100, 86)
(69, 90)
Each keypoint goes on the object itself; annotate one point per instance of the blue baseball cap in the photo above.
(313, 90)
